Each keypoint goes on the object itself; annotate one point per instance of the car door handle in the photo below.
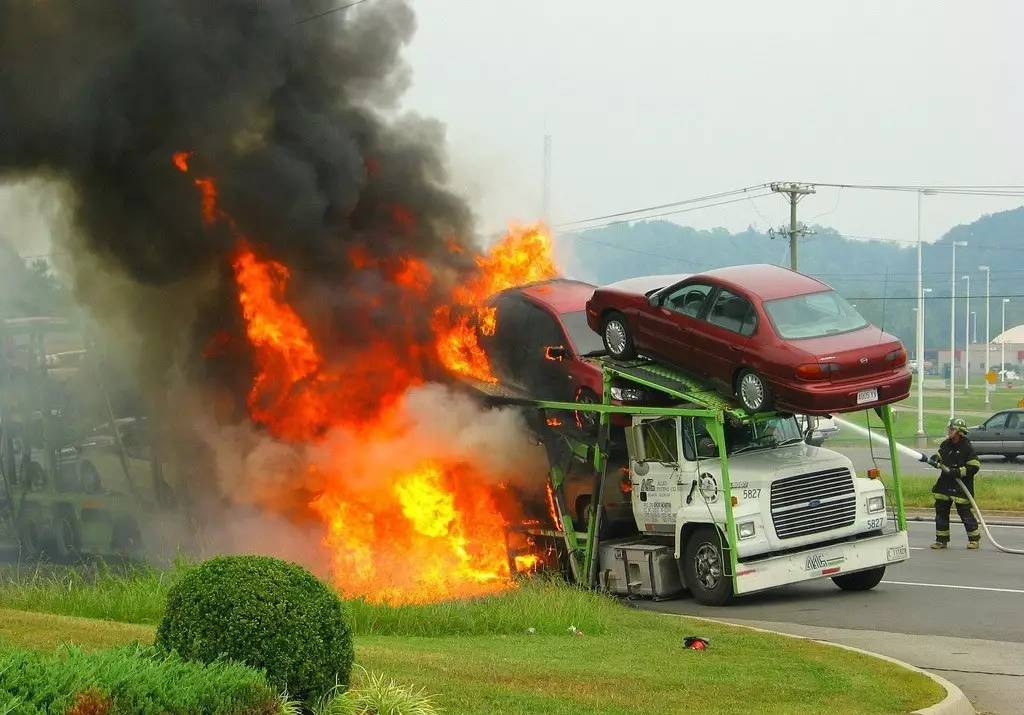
(736, 348)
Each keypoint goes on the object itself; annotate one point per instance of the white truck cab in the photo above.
(800, 511)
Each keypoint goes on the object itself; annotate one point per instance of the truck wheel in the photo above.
(861, 580)
(29, 537)
(753, 392)
(617, 340)
(59, 542)
(127, 539)
(704, 567)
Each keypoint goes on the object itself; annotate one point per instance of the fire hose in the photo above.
(913, 453)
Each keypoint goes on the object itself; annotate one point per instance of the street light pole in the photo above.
(967, 337)
(1002, 341)
(974, 334)
(952, 332)
(988, 334)
(920, 329)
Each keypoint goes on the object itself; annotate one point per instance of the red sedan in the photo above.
(774, 338)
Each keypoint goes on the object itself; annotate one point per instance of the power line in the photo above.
(328, 12)
(671, 213)
(658, 207)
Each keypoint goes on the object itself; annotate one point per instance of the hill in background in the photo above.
(880, 277)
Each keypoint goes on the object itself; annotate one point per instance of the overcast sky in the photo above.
(659, 100)
(654, 101)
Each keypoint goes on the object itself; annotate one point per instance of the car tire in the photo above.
(587, 421)
(753, 392)
(861, 580)
(617, 340)
(704, 567)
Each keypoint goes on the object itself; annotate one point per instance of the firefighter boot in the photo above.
(942, 545)
(974, 544)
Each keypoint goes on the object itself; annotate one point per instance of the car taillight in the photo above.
(816, 370)
(898, 358)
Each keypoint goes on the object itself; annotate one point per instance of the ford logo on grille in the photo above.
(814, 502)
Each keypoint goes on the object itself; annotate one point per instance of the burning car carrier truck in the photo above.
(703, 496)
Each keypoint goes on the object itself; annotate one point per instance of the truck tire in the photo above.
(127, 538)
(861, 580)
(29, 537)
(617, 340)
(753, 392)
(61, 540)
(704, 567)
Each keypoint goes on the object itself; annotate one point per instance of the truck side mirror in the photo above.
(555, 352)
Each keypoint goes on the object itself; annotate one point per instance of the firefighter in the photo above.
(955, 460)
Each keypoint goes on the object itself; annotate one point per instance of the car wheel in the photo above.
(704, 567)
(860, 581)
(753, 392)
(586, 420)
(617, 340)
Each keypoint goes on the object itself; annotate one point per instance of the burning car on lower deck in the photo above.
(540, 342)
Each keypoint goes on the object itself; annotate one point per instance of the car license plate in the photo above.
(867, 396)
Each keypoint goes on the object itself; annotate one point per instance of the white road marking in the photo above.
(991, 526)
(947, 585)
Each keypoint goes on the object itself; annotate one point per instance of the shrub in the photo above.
(263, 612)
(134, 679)
(377, 695)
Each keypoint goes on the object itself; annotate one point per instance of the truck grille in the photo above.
(814, 502)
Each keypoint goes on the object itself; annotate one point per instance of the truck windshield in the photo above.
(742, 436)
(813, 315)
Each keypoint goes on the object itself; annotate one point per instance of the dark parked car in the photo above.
(773, 337)
(1002, 433)
(540, 340)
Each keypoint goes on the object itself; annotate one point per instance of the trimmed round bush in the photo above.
(263, 612)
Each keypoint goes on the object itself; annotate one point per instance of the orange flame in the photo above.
(524, 255)
(393, 532)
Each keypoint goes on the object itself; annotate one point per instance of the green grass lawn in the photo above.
(993, 492)
(477, 656)
(635, 664)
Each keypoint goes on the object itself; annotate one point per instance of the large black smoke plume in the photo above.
(285, 115)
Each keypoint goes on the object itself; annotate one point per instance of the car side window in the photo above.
(734, 313)
(1012, 420)
(688, 299)
(997, 422)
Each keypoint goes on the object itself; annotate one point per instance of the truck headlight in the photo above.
(746, 529)
(627, 394)
(876, 504)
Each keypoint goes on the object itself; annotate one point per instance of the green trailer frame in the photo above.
(707, 404)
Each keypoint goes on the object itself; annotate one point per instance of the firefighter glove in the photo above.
(934, 461)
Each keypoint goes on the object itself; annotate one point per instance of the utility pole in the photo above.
(545, 211)
(795, 192)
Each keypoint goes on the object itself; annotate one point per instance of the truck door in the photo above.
(654, 446)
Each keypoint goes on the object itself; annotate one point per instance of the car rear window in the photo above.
(813, 315)
(584, 340)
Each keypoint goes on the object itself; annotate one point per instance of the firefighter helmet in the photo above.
(958, 424)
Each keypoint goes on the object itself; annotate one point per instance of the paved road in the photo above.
(862, 460)
(958, 613)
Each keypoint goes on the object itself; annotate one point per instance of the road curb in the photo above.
(955, 702)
